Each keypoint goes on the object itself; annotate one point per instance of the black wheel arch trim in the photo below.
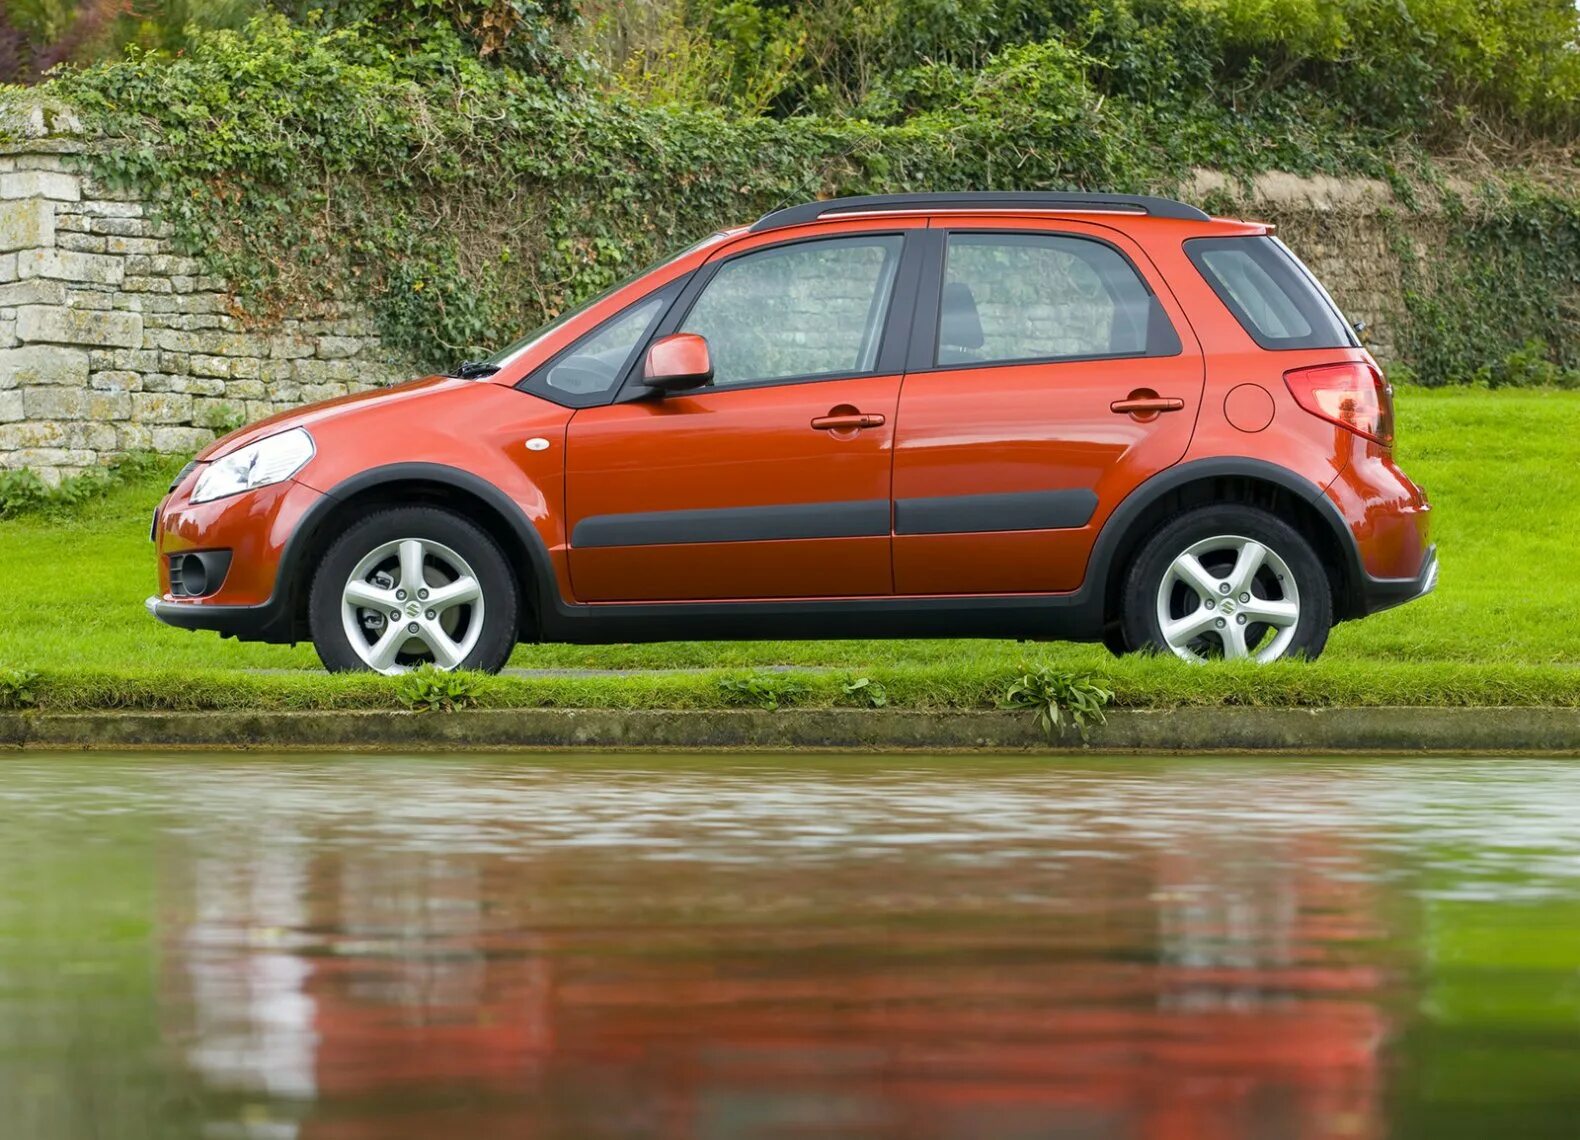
(1117, 526)
(509, 511)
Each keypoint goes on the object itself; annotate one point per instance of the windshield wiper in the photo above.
(473, 370)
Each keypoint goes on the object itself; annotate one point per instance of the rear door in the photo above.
(773, 482)
(1051, 373)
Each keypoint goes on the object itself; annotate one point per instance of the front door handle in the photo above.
(848, 421)
(1137, 404)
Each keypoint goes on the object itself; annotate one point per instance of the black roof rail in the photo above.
(980, 199)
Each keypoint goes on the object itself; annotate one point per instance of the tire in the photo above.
(1114, 639)
(1287, 586)
(464, 618)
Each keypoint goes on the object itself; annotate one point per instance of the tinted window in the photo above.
(811, 309)
(587, 371)
(1044, 297)
(1273, 296)
(594, 363)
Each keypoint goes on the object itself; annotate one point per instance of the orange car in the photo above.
(1081, 416)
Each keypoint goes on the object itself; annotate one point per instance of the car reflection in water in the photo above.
(340, 949)
(1217, 988)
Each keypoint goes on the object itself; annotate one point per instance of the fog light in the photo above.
(194, 575)
(199, 573)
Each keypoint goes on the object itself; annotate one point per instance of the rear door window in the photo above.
(1014, 297)
(1273, 296)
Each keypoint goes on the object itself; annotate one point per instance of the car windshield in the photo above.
(506, 355)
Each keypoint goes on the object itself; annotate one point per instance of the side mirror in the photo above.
(678, 362)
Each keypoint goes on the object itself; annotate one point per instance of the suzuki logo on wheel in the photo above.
(1227, 606)
(413, 609)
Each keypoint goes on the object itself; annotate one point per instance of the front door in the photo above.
(1056, 377)
(774, 481)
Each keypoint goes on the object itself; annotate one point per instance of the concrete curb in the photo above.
(1378, 730)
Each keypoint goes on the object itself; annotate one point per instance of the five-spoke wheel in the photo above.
(413, 586)
(1231, 597)
(1228, 583)
(412, 600)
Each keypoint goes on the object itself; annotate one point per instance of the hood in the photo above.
(328, 409)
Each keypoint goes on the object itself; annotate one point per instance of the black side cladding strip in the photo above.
(1020, 510)
(868, 518)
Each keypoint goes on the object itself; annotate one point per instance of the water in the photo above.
(348, 948)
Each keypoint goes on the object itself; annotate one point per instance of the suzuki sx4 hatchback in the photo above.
(944, 415)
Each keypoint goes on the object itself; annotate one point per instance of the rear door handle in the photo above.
(1146, 405)
(848, 421)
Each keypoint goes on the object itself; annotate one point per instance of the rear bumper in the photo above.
(1378, 594)
(269, 622)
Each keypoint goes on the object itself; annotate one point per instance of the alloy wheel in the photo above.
(1228, 597)
(409, 602)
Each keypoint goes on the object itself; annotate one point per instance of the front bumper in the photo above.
(256, 600)
(1378, 594)
(269, 622)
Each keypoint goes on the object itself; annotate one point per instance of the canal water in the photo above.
(345, 948)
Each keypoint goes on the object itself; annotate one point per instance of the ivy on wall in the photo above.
(468, 202)
(1497, 300)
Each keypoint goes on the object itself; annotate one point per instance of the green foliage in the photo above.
(426, 689)
(866, 692)
(22, 492)
(1438, 68)
(736, 55)
(1041, 78)
(18, 688)
(1529, 366)
(1493, 301)
(1427, 67)
(765, 690)
(517, 33)
(1058, 699)
(35, 35)
(469, 202)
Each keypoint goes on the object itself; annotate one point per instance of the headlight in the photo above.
(258, 464)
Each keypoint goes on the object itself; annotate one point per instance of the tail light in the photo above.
(1353, 395)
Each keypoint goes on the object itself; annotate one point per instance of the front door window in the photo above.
(808, 310)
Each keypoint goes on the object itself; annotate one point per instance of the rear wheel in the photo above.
(1114, 639)
(1228, 582)
(412, 586)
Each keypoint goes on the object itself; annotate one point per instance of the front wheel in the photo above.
(1230, 582)
(412, 586)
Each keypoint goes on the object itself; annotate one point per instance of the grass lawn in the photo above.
(1502, 469)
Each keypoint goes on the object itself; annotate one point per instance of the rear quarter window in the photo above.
(1273, 296)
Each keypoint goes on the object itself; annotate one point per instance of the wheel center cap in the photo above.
(1227, 605)
(413, 609)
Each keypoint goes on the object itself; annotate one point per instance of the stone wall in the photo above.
(110, 341)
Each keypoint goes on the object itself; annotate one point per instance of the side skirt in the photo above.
(1068, 617)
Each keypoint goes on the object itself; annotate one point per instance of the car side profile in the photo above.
(1034, 415)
